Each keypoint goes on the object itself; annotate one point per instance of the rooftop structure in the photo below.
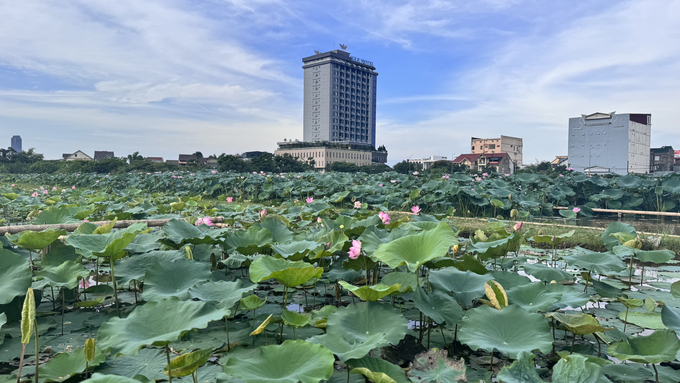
(505, 144)
(100, 155)
(79, 155)
(500, 162)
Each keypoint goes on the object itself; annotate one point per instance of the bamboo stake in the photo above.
(70, 227)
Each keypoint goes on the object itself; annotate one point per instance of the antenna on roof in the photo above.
(343, 47)
(316, 51)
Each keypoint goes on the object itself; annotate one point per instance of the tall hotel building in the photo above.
(340, 98)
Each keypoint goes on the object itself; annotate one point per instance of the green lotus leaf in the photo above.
(553, 240)
(222, 292)
(337, 241)
(371, 293)
(186, 364)
(579, 324)
(675, 289)
(631, 303)
(377, 370)
(149, 363)
(174, 279)
(65, 365)
(135, 267)
(546, 273)
(616, 227)
(643, 319)
(532, 297)
(670, 316)
(510, 330)
(252, 302)
(58, 254)
(415, 250)
(295, 250)
(251, 241)
(290, 274)
(155, 324)
(36, 240)
(319, 317)
(624, 373)
(178, 232)
(291, 318)
(3, 319)
(465, 285)
(655, 256)
(576, 368)
(660, 346)
(357, 322)
(111, 245)
(598, 263)
(291, 362)
(605, 290)
(101, 378)
(65, 275)
(407, 281)
(568, 295)
(15, 276)
(435, 366)
(522, 370)
(278, 228)
(345, 349)
(373, 237)
(439, 306)
(494, 249)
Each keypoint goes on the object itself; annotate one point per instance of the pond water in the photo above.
(647, 224)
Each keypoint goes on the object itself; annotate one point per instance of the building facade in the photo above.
(661, 159)
(324, 153)
(499, 162)
(79, 155)
(16, 144)
(505, 144)
(610, 143)
(426, 162)
(339, 98)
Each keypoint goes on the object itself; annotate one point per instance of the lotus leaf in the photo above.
(150, 325)
(416, 249)
(15, 276)
(252, 302)
(295, 250)
(293, 361)
(101, 378)
(148, 363)
(65, 365)
(278, 229)
(643, 319)
(546, 273)
(533, 297)
(576, 368)
(579, 324)
(111, 245)
(675, 289)
(624, 373)
(439, 306)
(407, 281)
(510, 330)
(174, 279)
(319, 317)
(553, 240)
(357, 322)
(291, 318)
(598, 263)
(36, 240)
(135, 267)
(65, 275)
(262, 325)
(496, 294)
(435, 365)
(670, 317)
(465, 285)
(345, 349)
(290, 274)
(660, 346)
(222, 292)
(655, 256)
(178, 232)
(377, 370)
(522, 370)
(187, 364)
(616, 227)
(249, 242)
(371, 293)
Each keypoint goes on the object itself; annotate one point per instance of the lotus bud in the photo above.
(510, 197)
(514, 214)
(455, 249)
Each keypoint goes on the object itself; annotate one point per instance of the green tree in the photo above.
(289, 164)
(264, 163)
(343, 167)
(134, 157)
(227, 162)
(405, 167)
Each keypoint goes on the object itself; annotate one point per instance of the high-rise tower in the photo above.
(16, 143)
(340, 98)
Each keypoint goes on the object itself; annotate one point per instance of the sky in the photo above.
(164, 77)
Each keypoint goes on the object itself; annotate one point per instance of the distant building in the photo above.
(339, 98)
(610, 143)
(324, 154)
(100, 155)
(560, 161)
(172, 162)
(661, 159)
(16, 144)
(155, 159)
(186, 158)
(426, 162)
(505, 144)
(250, 155)
(77, 156)
(500, 162)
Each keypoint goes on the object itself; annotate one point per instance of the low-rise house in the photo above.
(79, 155)
(500, 162)
(186, 158)
(426, 162)
(661, 159)
(560, 161)
(100, 155)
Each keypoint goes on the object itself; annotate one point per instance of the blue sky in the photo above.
(164, 77)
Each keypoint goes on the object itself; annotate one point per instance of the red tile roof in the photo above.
(469, 157)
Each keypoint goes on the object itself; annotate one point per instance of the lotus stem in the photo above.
(285, 296)
(429, 329)
(656, 373)
(625, 320)
(63, 307)
(642, 275)
(21, 362)
(193, 375)
(226, 323)
(441, 328)
(573, 340)
(167, 355)
(491, 363)
(115, 288)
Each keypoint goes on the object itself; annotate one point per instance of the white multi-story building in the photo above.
(339, 98)
(610, 143)
(426, 162)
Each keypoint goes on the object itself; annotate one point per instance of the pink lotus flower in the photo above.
(355, 250)
(263, 213)
(380, 185)
(230, 199)
(561, 175)
(357, 205)
(208, 222)
(44, 191)
(85, 220)
(73, 187)
(35, 194)
(518, 226)
(84, 283)
(42, 188)
(12, 185)
(296, 201)
(477, 179)
(393, 181)
(485, 174)
(415, 173)
(54, 188)
(213, 171)
(384, 217)
(576, 210)
(570, 168)
(309, 200)
(507, 174)
(415, 210)
(63, 190)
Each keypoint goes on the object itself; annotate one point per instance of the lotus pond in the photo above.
(323, 289)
